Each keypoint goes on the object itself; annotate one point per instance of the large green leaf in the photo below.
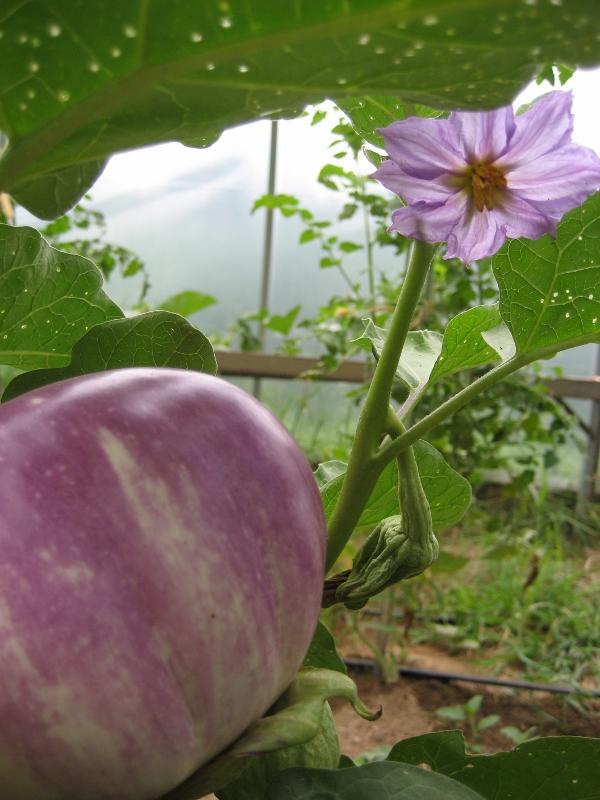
(448, 493)
(550, 289)
(557, 768)
(48, 300)
(155, 339)
(80, 81)
(382, 780)
(464, 345)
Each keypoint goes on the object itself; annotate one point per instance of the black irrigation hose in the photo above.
(369, 665)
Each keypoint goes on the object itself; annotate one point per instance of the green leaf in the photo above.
(550, 290)
(382, 780)
(464, 346)
(282, 323)
(368, 113)
(155, 339)
(55, 193)
(556, 768)
(420, 352)
(48, 300)
(81, 81)
(447, 492)
(328, 470)
(322, 652)
(187, 303)
(448, 563)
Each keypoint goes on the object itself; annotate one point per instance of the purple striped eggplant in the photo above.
(161, 565)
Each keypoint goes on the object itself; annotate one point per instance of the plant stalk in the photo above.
(363, 465)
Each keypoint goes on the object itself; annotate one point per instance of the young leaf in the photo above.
(48, 300)
(550, 289)
(464, 346)
(113, 76)
(155, 339)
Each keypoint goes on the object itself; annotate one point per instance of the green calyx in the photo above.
(297, 731)
(399, 547)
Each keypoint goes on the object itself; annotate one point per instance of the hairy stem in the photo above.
(363, 465)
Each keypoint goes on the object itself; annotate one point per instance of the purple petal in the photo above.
(484, 135)
(476, 235)
(518, 218)
(424, 148)
(559, 181)
(544, 127)
(411, 189)
(430, 223)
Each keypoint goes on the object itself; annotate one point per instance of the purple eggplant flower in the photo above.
(477, 178)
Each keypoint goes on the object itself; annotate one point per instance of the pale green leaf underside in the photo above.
(155, 339)
(550, 289)
(80, 81)
(419, 354)
(48, 300)
(447, 492)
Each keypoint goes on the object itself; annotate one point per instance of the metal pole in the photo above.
(590, 465)
(268, 244)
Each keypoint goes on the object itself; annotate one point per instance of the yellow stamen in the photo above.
(485, 181)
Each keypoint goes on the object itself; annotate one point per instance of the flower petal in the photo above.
(484, 135)
(429, 222)
(559, 181)
(476, 235)
(518, 218)
(544, 127)
(411, 189)
(424, 148)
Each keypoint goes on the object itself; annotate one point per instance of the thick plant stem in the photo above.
(363, 466)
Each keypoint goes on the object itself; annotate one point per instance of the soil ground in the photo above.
(409, 708)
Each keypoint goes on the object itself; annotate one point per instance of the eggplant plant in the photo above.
(163, 540)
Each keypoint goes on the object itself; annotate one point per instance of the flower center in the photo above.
(485, 180)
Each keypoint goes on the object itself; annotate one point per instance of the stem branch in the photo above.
(364, 465)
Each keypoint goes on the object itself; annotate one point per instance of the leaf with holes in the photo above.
(81, 81)
(465, 345)
(48, 300)
(155, 339)
(556, 768)
(447, 492)
(550, 289)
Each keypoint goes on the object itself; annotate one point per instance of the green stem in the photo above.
(393, 448)
(363, 465)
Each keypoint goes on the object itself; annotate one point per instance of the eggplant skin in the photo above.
(162, 542)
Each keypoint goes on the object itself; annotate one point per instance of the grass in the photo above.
(517, 593)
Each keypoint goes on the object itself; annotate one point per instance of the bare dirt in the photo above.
(409, 708)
